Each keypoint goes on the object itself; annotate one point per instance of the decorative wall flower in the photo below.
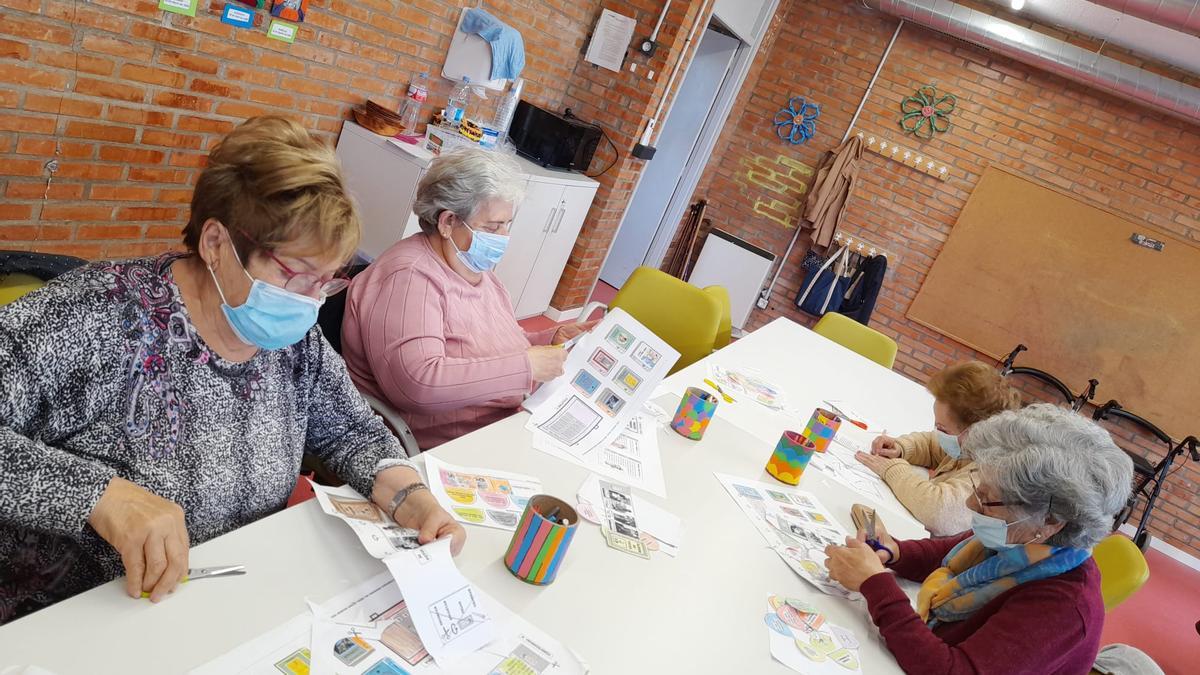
(927, 111)
(798, 121)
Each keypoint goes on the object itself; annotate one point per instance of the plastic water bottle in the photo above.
(456, 107)
(506, 109)
(418, 93)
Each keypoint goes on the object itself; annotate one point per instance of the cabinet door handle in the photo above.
(562, 211)
(549, 219)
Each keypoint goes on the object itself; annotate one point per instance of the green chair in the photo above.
(725, 329)
(1123, 569)
(686, 317)
(857, 338)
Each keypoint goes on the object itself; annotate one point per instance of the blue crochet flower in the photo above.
(798, 121)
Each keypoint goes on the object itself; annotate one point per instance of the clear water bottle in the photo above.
(456, 108)
(418, 93)
(506, 109)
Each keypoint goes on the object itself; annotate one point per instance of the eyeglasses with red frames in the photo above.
(304, 283)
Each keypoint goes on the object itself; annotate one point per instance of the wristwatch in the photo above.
(403, 494)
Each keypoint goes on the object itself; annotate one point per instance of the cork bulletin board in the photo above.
(1030, 264)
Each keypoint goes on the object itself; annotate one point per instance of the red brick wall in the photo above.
(145, 93)
(1135, 162)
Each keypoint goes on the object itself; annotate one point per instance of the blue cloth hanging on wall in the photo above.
(508, 48)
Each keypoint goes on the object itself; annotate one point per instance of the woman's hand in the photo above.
(569, 330)
(852, 564)
(885, 446)
(884, 539)
(875, 463)
(149, 533)
(546, 363)
(421, 512)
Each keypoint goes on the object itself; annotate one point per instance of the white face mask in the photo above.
(992, 532)
(949, 443)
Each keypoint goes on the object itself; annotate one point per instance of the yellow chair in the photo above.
(684, 316)
(725, 329)
(858, 338)
(1123, 569)
(13, 286)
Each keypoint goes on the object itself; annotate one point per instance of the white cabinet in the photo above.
(382, 176)
(568, 206)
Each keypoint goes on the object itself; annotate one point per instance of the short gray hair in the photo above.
(460, 180)
(1046, 457)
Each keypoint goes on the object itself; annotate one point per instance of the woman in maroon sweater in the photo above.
(1019, 593)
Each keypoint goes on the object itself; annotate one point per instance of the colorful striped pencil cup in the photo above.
(541, 540)
(694, 413)
(791, 455)
(821, 428)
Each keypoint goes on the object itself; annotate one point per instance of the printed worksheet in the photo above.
(661, 530)
(795, 525)
(448, 613)
(368, 630)
(632, 457)
(749, 383)
(838, 462)
(379, 534)
(801, 639)
(480, 496)
(606, 378)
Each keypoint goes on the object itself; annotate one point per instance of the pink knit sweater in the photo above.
(448, 355)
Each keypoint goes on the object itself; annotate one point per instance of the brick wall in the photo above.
(1135, 162)
(134, 97)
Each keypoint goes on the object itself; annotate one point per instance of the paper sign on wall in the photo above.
(185, 7)
(282, 31)
(236, 16)
(610, 40)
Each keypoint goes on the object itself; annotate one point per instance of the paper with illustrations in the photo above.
(379, 534)
(632, 457)
(795, 525)
(480, 496)
(608, 375)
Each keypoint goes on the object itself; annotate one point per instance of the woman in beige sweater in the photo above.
(924, 469)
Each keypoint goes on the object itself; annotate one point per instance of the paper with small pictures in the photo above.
(610, 372)
(632, 457)
(480, 496)
(379, 534)
(369, 630)
(795, 525)
(801, 639)
(838, 462)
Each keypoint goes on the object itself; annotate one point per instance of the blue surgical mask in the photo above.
(271, 317)
(485, 251)
(992, 532)
(949, 443)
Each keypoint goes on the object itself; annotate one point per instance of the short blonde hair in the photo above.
(271, 184)
(974, 391)
(461, 180)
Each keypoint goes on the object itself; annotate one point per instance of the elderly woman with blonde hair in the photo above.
(1019, 592)
(155, 403)
(429, 327)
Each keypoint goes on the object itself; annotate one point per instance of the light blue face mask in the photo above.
(949, 443)
(485, 251)
(992, 532)
(271, 317)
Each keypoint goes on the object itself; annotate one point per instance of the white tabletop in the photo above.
(700, 612)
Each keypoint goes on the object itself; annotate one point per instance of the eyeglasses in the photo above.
(303, 283)
(979, 499)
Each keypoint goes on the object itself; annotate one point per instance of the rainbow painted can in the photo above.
(790, 457)
(539, 544)
(822, 427)
(694, 413)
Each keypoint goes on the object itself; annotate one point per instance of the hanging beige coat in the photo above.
(826, 205)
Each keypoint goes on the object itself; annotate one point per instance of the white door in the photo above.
(530, 226)
(680, 130)
(564, 230)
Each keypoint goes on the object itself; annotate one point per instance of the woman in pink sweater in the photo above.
(429, 328)
(1020, 593)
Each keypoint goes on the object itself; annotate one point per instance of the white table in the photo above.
(700, 612)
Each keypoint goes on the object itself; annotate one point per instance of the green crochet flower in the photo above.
(925, 112)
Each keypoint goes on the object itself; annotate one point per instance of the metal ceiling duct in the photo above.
(1181, 15)
(1050, 54)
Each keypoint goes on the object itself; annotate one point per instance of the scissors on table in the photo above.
(209, 573)
(873, 541)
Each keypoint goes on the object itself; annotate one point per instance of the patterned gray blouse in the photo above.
(102, 374)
